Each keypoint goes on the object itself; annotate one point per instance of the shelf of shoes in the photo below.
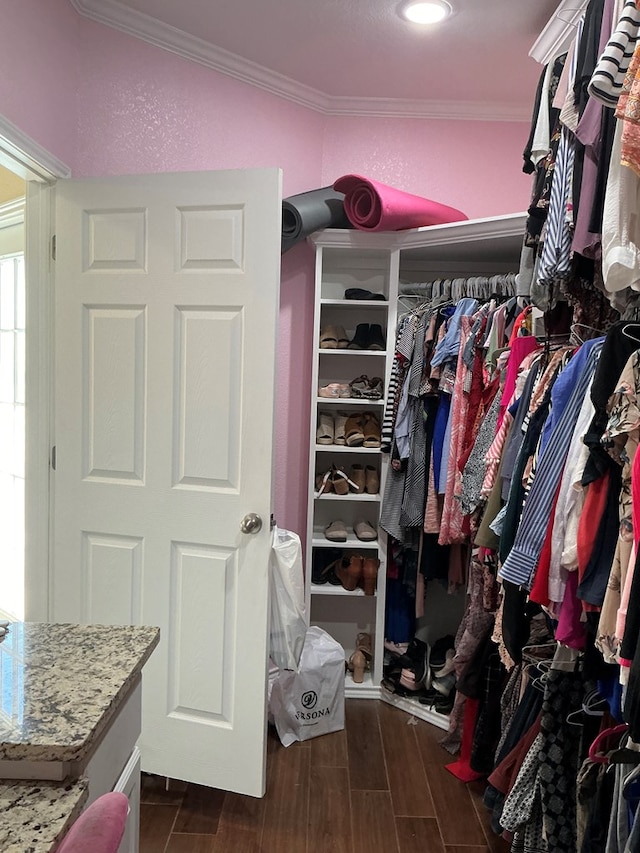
(329, 589)
(415, 708)
(354, 332)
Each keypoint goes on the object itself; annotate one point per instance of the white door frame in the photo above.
(22, 155)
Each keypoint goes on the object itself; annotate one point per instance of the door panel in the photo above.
(166, 306)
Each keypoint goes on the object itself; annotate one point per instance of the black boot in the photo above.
(361, 337)
(376, 338)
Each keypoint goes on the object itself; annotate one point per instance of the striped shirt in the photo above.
(520, 565)
(555, 261)
(607, 79)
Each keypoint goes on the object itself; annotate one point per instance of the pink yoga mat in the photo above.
(372, 206)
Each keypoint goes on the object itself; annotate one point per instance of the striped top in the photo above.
(607, 79)
(519, 567)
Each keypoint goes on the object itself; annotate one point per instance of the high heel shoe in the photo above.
(363, 644)
(357, 666)
(360, 660)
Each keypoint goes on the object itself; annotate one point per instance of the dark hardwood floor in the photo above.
(380, 785)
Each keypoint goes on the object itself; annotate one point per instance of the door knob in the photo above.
(251, 523)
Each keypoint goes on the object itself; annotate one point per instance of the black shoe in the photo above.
(361, 337)
(361, 293)
(376, 338)
(430, 698)
(321, 569)
(445, 705)
(439, 651)
(416, 659)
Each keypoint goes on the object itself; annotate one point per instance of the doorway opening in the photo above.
(12, 395)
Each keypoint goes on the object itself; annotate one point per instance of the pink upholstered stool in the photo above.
(100, 828)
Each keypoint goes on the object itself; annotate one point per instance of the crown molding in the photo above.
(114, 14)
(408, 108)
(25, 157)
(559, 32)
(12, 212)
(146, 28)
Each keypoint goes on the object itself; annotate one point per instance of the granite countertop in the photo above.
(60, 686)
(36, 815)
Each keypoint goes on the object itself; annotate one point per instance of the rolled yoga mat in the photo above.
(372, 206)
(305, 213)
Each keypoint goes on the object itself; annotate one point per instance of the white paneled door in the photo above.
(166, 301)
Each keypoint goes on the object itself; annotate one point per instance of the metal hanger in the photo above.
(593, 705)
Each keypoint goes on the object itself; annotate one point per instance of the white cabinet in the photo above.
(129, 784)
(377, 263)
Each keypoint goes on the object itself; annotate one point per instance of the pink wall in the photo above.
(106, 103)
(471, 165)
(142, 109)
(38, 50)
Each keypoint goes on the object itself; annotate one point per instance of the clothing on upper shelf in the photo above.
(587, 185)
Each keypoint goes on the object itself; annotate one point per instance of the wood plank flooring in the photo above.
(380, 785)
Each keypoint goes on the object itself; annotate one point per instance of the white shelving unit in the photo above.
(378, 263)
(345, 614)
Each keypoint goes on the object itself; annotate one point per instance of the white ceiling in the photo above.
(362, 48)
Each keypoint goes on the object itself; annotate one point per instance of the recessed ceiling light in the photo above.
(426, 13)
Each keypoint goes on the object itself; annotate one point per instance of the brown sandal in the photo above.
(371, 431)
(340, 481)
(353, 431)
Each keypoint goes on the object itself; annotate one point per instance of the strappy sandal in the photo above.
(371, 431)
(353, 431)
(374, 389)
(359, 385)
(341, 481)
(324, 483)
